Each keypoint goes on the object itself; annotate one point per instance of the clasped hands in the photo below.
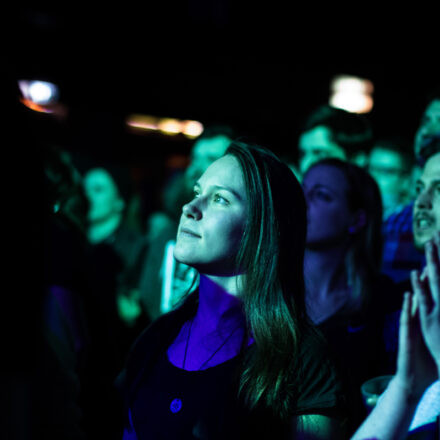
(418, 361)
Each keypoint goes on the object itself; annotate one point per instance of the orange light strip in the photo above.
(167, 126)
(35, 107)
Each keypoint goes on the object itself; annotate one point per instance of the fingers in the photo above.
(437, 243)
(424, 275)
(405, 353)
(418, 289)
(427, 285)
(405, 318)
(432, 252)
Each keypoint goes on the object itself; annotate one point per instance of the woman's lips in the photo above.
(189, 233)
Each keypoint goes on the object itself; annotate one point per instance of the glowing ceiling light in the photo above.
(355, 103)
(39, 92)
(142, 122)
(352, 94)
(169, 126)
(192, 129)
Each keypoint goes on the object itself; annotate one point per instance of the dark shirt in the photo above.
(365, 343)
(399, 253)
(211, 407)
(173, 402)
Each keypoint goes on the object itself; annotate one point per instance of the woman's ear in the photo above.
(359, 221)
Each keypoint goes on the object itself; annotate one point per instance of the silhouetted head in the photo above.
(426, 210)
(332, 132)
(429, 123)
(345, 210)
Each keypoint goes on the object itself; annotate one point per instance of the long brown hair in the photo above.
(364, 256)
(271, 255)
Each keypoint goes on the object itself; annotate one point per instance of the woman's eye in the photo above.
(219, 199)
(323, 196)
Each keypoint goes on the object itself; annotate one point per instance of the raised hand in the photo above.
(416, 369)
(427, 291)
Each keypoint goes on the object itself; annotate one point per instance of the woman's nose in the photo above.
(192, 210)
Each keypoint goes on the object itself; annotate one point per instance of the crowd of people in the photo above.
(256, 301)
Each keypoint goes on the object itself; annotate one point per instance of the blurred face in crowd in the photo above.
(388, 170)
(212, 224)
(203, 154)
(103, 195)
(317, 144)
(328, 214)
(429, 125)
(426, 213)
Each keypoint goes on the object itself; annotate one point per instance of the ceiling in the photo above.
(211, 61)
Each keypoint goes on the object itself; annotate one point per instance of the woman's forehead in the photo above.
(223, 171)
(99, 175)
(326, 175)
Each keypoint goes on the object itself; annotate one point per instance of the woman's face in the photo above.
(212, 224)
(102, 193)
(328, 214)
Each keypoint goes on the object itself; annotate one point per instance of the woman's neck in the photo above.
(219, 303)
(325, 282)
(216, 332)
(324, 270)
(100, 231)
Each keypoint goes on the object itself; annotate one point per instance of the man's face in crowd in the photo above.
(387, 168)
(317, 144)
(429, 125)
(426, 214)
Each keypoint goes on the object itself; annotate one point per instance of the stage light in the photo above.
(168, 126)
(192, 129)
(142, 122)
(36, 107)
(38, 92)
(351, 93)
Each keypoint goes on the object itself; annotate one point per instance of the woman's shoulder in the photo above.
(315, 356)
(151, 335)
(141, 350)
(153, 340)
(312, 341)
(316, 374)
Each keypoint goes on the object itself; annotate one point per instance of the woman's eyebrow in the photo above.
(326, 187)
(223, 187)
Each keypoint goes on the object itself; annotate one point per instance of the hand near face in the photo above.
(418, 356)
(415, 367)
(427, 292)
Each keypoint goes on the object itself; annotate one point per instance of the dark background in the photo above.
(260, 69)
